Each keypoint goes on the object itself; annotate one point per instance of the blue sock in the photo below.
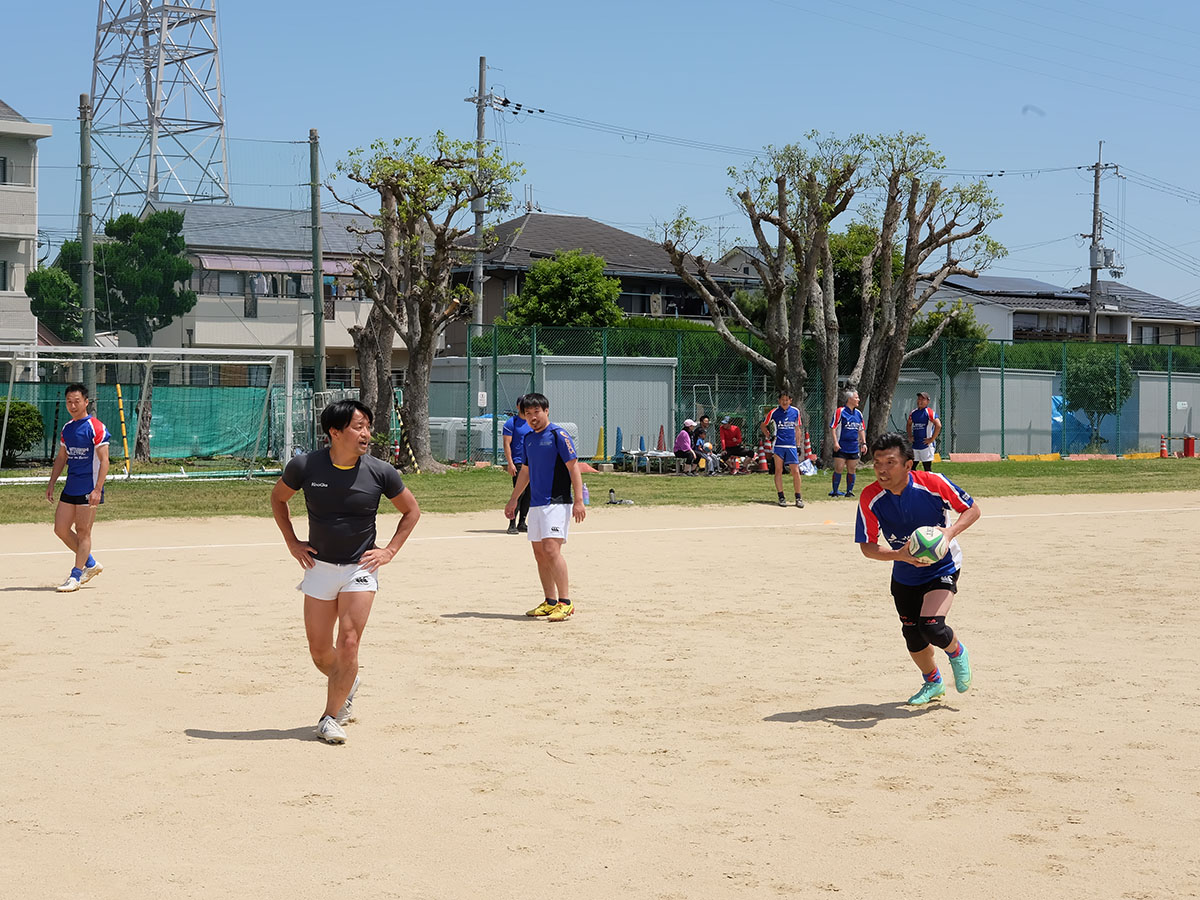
(77, 574)
(90, 562)
(934, 677)
(849, 484)
(837, 481)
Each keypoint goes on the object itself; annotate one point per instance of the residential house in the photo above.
(252, 274)
(1025, 309)
(649, 284)
(18, 224)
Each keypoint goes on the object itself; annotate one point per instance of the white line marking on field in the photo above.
(499, 534)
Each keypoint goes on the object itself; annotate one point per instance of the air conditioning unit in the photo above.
(656, 305)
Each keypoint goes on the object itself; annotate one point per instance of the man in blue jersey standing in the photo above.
(895, 505)
(848, 430)
(551, 472)
(83, 450)
(923, 427)
(787, 424)
(515, 430)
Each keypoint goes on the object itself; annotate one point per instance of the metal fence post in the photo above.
(470, 383)
(750, 413)
(1117, 395)
(1063, 451)
(532, 358)
(604, 402)
(1003, 455)
(678, 378)
(1170, 408)
(942, 398)
(495, 393)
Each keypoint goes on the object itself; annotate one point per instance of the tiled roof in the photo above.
(7, 112)
(1142, 304)
(208, 226)
(534, 236)
(1026, 294)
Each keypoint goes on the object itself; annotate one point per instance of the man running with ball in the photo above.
(898, 503)
(342, 486)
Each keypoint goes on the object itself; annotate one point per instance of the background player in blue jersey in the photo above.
(787, 425)
(551, 473)
(923, 429)
(848, 430)
(894, 506)
(515, 430)
(83, 450)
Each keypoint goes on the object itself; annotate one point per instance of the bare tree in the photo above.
(405, 260)
(917, 216)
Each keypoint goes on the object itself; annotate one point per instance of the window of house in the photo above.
(3, 170)
(161, 376)
(330, 308)
(1149, 334)
(201, 376)
(1077, 324)
(231, 283)
(3, 271)
(1025, 321)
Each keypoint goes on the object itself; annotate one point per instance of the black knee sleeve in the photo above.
(912, 638)
(934, 630)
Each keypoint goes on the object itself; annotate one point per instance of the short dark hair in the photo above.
(337, 415)
(532, 400)
(892, 440)
(786, 393)
(76, 388)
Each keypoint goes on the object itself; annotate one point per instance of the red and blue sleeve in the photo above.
(566, 447)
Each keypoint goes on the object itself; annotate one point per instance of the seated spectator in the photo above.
(731, 439)
(704, 450)
(684, 449)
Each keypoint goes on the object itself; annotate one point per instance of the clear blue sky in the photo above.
(1033, 86)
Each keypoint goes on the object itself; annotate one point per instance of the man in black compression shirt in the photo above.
(342, 487)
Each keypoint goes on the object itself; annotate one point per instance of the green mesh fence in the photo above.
(993, 397)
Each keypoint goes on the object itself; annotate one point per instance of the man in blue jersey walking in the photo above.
(551, 472)
(898, 502)
(924, 426)
(83, 450)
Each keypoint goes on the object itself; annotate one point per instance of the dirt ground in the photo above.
(721, 718)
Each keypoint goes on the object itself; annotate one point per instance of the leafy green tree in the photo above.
(140, 273)
(25, 428)
(569, 289)
(1098, 384)
(54, 299)
(425, 191)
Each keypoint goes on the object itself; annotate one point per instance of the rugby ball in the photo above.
(928, 543)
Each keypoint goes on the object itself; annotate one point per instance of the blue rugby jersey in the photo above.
(786, 422)
(922, 427)
(546, 453)
(926, 500)
(516, 428)
(81, 438)
(849, 425)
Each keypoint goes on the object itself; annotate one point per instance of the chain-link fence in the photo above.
(617, 389)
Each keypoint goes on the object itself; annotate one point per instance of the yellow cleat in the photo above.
(561, 611)
(544, 609)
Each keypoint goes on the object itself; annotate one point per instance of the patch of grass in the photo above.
(487, 489)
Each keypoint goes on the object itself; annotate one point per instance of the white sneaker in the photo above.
(91, 572)
(347, 711)
(330, 731)
(71, 584)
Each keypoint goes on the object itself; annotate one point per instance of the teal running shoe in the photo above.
(930, 691)
(962, 671)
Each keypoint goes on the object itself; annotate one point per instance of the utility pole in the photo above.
(87, 282)
(1096, 254)
(318, 288)
(1098, 257)
(479, 206)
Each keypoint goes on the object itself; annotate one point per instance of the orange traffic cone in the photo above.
(1162, 447)
(808, 454)
(662, 438)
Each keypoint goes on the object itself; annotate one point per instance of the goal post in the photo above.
(190, 403)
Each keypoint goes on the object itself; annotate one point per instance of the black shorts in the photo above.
(909, 597)
(685, 454)
(77, 499)
(841, 454)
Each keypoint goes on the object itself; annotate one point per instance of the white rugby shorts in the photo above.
(549, 521)
(925, 455)
(326, 580)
